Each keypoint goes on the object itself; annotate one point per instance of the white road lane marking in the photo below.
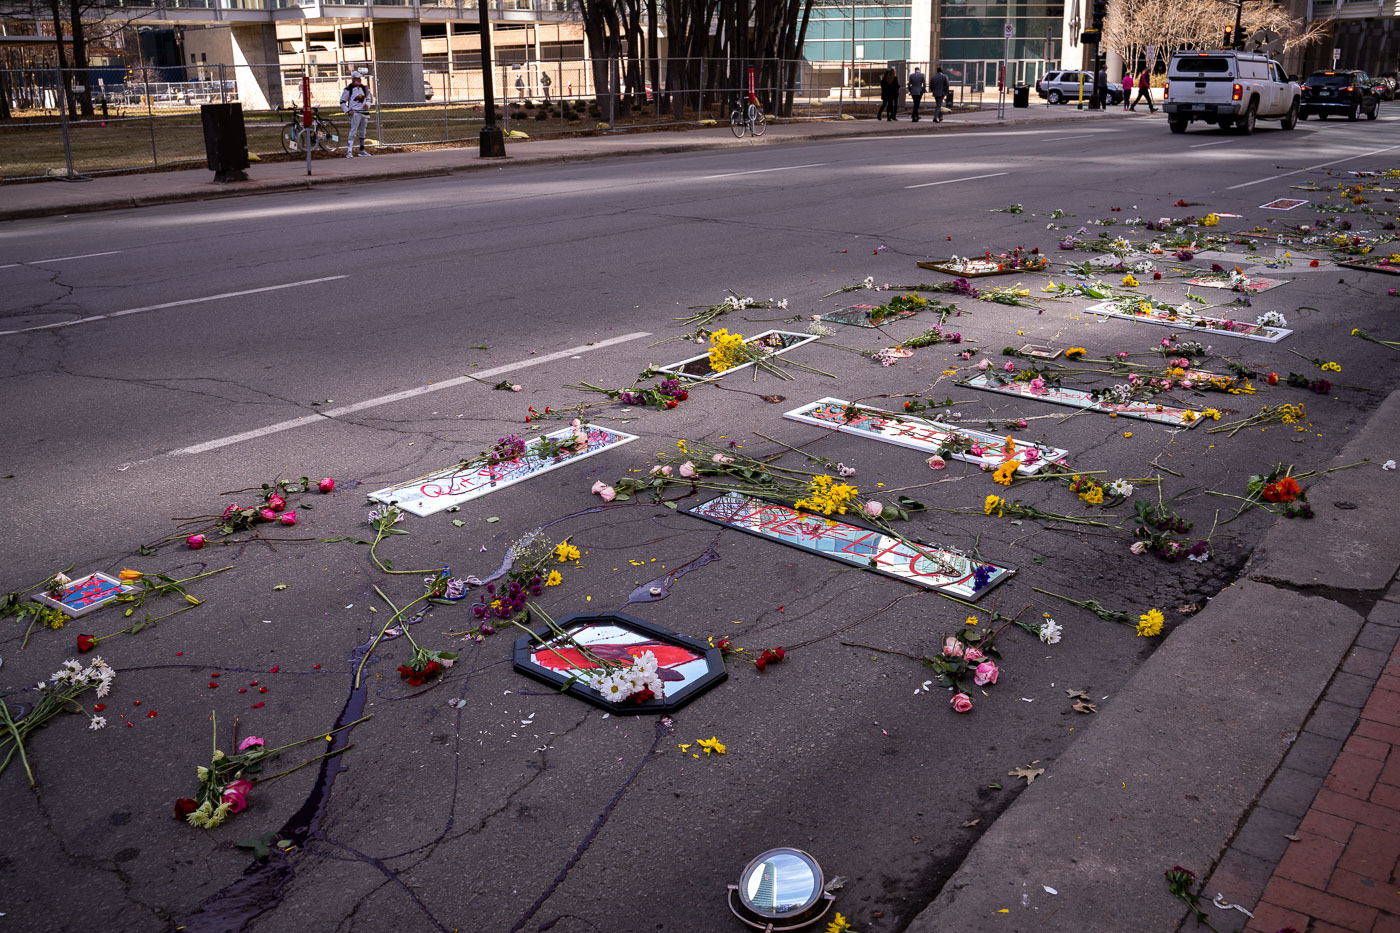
(930, 184)
(169, 304)
(760, 171)
(1060, 139)
(1218, 142)
(331, 414)
(1359, 155)
(36, 262)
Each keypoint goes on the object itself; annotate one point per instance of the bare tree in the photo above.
(1172, 25)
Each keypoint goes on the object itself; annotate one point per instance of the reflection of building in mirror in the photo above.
(780, 885)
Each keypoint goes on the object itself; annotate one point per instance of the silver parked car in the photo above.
(1059, 87)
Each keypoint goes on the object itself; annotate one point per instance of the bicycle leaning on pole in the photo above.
(326, 135)
(748, 117)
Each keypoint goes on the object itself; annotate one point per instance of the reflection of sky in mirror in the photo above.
(780, 884)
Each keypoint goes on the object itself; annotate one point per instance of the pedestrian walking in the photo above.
(1127, 89)
(1101, 88)
(520, 86)
(354, 101)
(545, 82)
(889, 93)
(939, 88)
(1144, 85)
(917, 85)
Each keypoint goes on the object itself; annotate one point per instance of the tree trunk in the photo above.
(66, 86)
(653, 57)
(80, 59)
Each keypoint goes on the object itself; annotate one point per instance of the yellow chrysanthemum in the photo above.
(1150, 623)
(826, 496)
(1130, 281)
(726, 350)
(970, 620)
(554, 579)
(993, 505)
(566, 552)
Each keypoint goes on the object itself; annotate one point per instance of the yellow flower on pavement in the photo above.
(1005, 473)
(1150, 623)
(1130, 282)
(566, 552)
(554, 579)
(130, 576)
(970, 620)
(992, 507)
(712, 744)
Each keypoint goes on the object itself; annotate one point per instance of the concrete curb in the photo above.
(1166, 772)
(587, 152)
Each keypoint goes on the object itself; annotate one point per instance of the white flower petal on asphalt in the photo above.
(1388, 465)
(97, 722)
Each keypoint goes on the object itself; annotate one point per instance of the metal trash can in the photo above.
(1021, 96)
(225, 141)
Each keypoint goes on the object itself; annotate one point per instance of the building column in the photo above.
(921, 34)
(398, 50)
(255, 66)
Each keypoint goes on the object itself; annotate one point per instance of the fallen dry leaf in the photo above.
(1077, 694)
(968, 824)
(1083, 706)
(1029, 773)
(773, 399)
(1189, 608)
(1292, 838)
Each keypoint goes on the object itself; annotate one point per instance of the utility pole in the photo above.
(493, 141)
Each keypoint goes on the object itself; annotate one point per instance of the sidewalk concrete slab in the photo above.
(1339, 553)
(119, 192)
(1160, 777)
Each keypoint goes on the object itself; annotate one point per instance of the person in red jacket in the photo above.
(1144, 84)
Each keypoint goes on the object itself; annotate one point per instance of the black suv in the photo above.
(1349, 93)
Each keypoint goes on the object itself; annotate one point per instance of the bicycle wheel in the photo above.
(760, 122)
(289, 139)
(736, 123)
(328, 135)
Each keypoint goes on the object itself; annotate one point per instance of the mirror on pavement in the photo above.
(781, 884)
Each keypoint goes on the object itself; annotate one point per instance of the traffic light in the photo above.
(1100, 11)
(1229, 42)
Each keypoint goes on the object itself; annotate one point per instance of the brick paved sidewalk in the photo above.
(1335, 871)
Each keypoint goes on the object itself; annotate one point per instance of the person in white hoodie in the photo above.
(354, 100)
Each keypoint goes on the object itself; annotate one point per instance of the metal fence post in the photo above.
(150, 119)
(63, 122)
(378, 90)
(223, 86)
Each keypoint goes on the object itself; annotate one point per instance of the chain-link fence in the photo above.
(146, 122)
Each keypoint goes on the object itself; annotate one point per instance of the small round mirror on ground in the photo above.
(781, 889)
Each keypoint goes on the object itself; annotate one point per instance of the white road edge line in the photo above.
(1359, 155)
(1218, 142)
(35, 262)
(1060, 139)
(331, 414)
(169, 304)
(760, 171)
(930, 184)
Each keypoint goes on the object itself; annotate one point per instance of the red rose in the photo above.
(761, 663)
(406, 672)
(780, 653)
(1273, 379)
(184, 807)
(671, 403)
(276, 502)
(431, 669)
(86, 643)
(1156, 276)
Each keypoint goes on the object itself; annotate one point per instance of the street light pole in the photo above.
(493, 141)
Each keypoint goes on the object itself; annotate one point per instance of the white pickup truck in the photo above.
(1229, 88)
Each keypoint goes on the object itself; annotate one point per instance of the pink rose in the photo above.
(1037, 385)
(962, 703)
(977, 450)
(232, 509)
(1139, 547)
(250, 742)
(598, 486)
(663, 470)
(326, 485)
(721, 458)
(576, 423)
(936, 462)
(607, 493)
(1029, 456)
(984, 365)
(276, 502)
(687, 470)
(972, 655)
(267, 515)
(952, 648)
(195, 542)
(1009, 367)
(289, 518)
(236, 795)
(987, 673)
(515, 388)
(874, 509)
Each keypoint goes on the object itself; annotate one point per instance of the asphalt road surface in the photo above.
(154, 359)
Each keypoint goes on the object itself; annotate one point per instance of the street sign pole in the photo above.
(1007, 31)
(305, 136)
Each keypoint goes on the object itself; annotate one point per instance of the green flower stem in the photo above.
(379, 536)
(387, 625)
(406, 632)
(13, 730)
(282, 774)
(320, 735)
(147, 623)
(1108, 615)
(902, 654)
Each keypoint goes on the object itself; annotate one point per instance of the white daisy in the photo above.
(1121, 487)
(1050, 632)
(97, 722)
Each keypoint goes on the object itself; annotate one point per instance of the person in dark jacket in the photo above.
(1144, 92)
(889, 93)
(938, 86)
(917, 85)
